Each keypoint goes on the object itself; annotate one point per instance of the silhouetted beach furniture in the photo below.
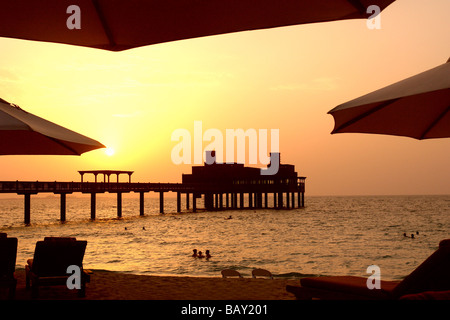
(51, 259)
(430, 276)
(8, 254)
(428, 295)
(261, 273)
(230, 273)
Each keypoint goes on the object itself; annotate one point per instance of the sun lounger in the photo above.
(51, 259)
(431, 276)
(230, 273)
(8, 254)
(261, 273)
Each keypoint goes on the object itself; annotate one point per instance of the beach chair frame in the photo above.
(432, 275)
(8, 255)
(51, 259)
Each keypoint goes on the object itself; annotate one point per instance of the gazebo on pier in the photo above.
(106, 173)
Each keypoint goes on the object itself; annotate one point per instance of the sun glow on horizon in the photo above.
(110, 151)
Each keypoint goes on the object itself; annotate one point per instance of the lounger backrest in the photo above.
(51, 258)
(8, 254)
(432, 275)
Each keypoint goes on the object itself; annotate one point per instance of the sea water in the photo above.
(330, 236)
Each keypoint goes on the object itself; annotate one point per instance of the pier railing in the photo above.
(88, 187)
(34, 187)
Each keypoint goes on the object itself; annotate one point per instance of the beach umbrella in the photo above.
(123, 24)
(22, 133)
(417, 107)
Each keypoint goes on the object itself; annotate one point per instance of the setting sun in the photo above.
(110, 152)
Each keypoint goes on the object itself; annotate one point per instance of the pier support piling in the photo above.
(194, 202)
(63, 207)
(259, 200)
(93, 205)
(187, 200)
(287, 200)
(119, 204)
(141, 203)
(27, 208)
(178, 202)
(280, 200)
(161, 202)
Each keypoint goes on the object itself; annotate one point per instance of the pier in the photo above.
(222, 186)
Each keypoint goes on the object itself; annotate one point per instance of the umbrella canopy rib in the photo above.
(358, 6)
(363, 115)
(104, 23)
(65, 145)
(435, 122)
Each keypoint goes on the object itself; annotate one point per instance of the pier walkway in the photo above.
(223, 186)
(217, 197)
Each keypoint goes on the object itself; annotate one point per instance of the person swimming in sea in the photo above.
(200, 255)
(195, 253)
(208, 255)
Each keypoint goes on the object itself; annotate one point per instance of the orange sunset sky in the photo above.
(284, 78)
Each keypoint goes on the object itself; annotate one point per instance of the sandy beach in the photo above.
(121, 294)
(107, 285)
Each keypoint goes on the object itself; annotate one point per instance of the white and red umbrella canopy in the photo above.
(22, 133)
(123, 24)
(417, 107)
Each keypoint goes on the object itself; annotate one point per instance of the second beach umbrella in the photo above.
(417, 107)
(22, 133)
